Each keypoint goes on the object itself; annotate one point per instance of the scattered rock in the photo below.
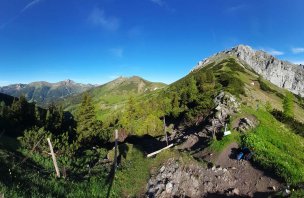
(286, 192)
(177, 178)
(169, 188)
(236, 191)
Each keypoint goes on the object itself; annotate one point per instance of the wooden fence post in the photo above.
(54, 158)
(165, 131)
(116, 142)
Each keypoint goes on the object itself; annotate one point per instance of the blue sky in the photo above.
(95, 41)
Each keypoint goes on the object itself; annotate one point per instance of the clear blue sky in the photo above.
(94, 41)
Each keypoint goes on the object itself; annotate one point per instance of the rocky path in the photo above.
(228, 178)
(249, 179)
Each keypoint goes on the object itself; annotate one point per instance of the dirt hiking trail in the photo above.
(249, 178)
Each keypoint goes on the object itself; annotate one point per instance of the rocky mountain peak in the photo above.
(281, 73)
(246, 49)
(69, 81)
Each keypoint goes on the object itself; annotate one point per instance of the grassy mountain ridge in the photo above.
(113, 94)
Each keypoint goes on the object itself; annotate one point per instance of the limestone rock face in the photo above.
(281, 73)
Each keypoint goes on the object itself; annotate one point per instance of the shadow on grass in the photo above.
(25, 179)
(110, 179)
(147, 144)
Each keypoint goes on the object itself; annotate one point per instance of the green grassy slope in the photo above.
(276, 147)
(112, 95)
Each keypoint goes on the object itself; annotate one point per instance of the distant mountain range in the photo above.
(44, 93)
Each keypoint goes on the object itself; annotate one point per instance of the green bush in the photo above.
(35, 139)
(231, 83)
(264, 86)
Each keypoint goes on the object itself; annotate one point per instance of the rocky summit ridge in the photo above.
(281, 73)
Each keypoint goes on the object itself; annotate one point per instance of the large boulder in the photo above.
(246, 123)
(190, 142)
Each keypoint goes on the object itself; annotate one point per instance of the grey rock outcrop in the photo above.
(225, 106)
(281, 73)
(246, 124)
(190, 142)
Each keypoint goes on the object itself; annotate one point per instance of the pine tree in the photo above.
(87, 125)
(2, 109)
(288, 106)
(38, 116)
(129, 116)
(175, 104)
(54, 119)
(209, 76)
(192, 90)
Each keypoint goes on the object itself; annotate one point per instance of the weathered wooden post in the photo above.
(116, 143)
(213, 132)
(54, 158)
(165, 131)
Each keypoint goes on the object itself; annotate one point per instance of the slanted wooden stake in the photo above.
(154, 153)
(165, 131)
(54, 158)
(116, 140)
(213, 132)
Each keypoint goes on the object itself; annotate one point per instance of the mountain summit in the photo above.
(281, 73)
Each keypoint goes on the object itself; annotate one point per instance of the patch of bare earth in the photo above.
(249, 179)
(227, 178)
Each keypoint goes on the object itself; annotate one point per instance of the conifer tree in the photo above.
(87, 125)
(54, 119)
(129, 115)
(2, 109)
(288, 106)
(175, 104)
(192, 90)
